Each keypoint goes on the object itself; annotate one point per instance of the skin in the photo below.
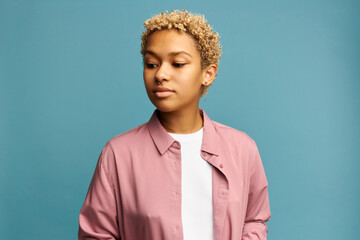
(179, 112)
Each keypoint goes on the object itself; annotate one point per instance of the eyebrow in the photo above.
(170, 54)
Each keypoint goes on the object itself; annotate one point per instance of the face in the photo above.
(172, 58)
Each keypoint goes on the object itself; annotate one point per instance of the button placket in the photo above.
(174, 161)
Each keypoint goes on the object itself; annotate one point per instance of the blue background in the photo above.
(71, 79)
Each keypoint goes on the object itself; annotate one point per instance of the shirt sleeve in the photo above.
(258, 208)
(98, 215)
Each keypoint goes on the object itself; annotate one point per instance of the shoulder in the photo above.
(234, 137)
(131, 137)
(232, 133)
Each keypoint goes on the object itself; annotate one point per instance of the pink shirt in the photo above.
(135, 192)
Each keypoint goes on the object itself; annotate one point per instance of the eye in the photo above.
(150, 65)
(178, 65)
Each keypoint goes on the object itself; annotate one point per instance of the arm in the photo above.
(98, 215)
(258, 208)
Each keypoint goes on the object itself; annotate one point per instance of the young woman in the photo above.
(180, 175)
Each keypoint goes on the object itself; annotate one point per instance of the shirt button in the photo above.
(175, 144)
(221, 165)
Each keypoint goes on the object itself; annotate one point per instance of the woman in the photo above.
(180, 175)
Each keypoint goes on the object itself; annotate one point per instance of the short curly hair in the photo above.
(207, 40)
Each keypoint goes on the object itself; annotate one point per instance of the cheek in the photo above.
(146, 76)
(196, 79)
(145, 73)
(146, 81)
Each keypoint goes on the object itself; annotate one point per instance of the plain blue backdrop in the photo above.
(71, 79)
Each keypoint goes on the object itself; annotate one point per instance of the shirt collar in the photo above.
(163, 140)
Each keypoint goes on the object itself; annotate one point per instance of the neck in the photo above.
(184, 122)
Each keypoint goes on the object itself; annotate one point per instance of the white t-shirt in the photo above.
(196, 182)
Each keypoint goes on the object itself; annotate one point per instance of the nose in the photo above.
(162, 73)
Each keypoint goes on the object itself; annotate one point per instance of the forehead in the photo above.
(171, 40)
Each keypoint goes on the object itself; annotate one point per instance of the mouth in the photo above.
(162, 92)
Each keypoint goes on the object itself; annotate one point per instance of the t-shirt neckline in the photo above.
(188, 137)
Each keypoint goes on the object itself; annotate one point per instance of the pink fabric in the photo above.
(135, 192)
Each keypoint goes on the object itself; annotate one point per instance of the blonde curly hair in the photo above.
(207, 40)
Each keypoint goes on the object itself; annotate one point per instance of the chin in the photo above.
(164, 107)
(162, 104)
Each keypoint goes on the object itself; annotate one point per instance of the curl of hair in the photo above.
(207, 40)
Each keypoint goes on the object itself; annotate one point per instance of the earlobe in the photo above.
(207, 81)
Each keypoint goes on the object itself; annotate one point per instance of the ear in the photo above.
(209, 74)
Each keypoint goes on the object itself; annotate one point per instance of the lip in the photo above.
(162, 89)
(163, 92)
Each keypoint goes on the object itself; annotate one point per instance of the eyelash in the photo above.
(177, 65)
(149, 65)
